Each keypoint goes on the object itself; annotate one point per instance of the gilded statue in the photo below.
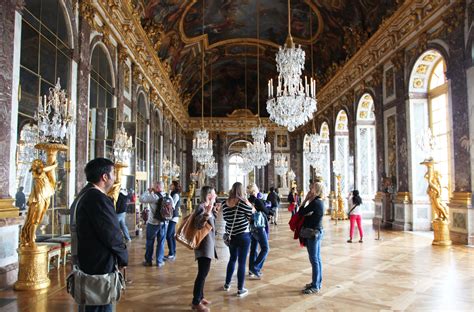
(189, 203)
(44, 183)
(434, 192)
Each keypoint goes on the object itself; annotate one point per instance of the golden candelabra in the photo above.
(339, 213)
(115, 190)
(189, 203)
(33, 263)
(439, 209)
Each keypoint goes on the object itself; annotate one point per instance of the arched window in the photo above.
(325, 156)
(438, 120)
(142, 139)
(429, 109)
(156, 154)
(101, 105)
(341, 141)
(366, 177)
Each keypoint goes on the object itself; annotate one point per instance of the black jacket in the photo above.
(121, 205)
(274, 199)
(100, 245)
(258, 204)
(315, 220)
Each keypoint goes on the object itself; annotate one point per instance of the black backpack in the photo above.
(164, 208)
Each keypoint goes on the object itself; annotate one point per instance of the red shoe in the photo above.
(205, 301)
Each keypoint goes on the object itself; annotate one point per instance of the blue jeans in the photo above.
(159, 232)
(170, 238)
(102, 308)
(314, 252)
(239, 248)
(259, 237)
(123, 225)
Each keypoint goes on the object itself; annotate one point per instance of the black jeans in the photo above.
(204, 265)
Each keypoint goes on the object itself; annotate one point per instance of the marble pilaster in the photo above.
(82, 101)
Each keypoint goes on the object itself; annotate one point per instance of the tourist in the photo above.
(293, 200)
(20, 199)
(175, 189)
(355, 215)
(121, 210)
(274, 199)
(237, 213)
(205, 212)
(313, 212)
(155, 228)
(100, 246)
(259, 235)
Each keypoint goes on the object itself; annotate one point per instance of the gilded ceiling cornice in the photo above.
(232, 124)
(411, 19)
(124, 23)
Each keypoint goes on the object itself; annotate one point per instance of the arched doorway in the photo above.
(429, 108)
(234, 160)
(366, 172)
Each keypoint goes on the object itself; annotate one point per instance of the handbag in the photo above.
(308, 233)
(190, 236)
(98, 289)
(227, 236)
(87, 289)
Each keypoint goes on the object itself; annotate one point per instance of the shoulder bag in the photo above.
(188, 235)
(87, 289)
(226, 237)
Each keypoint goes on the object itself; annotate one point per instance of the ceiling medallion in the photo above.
(294, 103)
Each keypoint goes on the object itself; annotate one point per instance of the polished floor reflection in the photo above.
(403, 271)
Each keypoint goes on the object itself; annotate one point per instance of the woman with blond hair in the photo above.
(312, 233)
(237, 212)
(259, 235)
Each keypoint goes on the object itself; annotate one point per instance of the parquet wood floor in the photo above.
(401, 272)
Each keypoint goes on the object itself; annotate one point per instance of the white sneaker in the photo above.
(242, 293)
(226, 287)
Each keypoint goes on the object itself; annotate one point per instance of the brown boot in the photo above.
(200, 308)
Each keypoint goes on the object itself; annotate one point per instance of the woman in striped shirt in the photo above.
(237, 212)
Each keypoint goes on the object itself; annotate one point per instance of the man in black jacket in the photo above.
(275, 200)
(99, 240)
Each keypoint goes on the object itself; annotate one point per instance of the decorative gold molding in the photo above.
(232, 124)
(125, 25)
(413, 16)
(461, 198)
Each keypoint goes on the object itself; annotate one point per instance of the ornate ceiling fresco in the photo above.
(338, 29)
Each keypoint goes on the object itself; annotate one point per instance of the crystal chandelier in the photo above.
(202, 145)
(312, 148)
(210, 168)
(281, 164)
(54, 119)
(166, 166)
(122, 146)
(294, 102)
(175, 169)
(245, 166)
(259, 152)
